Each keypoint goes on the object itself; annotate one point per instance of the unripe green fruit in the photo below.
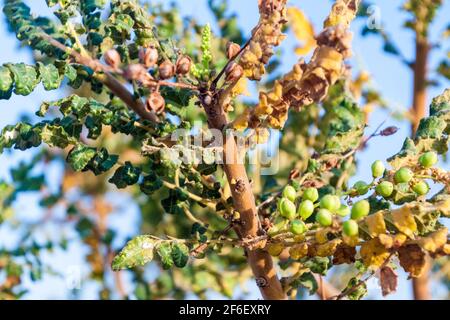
(428, 159)
(360, 209)
(350, 228)
(385, 189)
(330, 202)
(324, 218)
(421, 188)
(361, 187)
(403, 175)
(298, 227)
(377, 169)
(306, 209)
(287, 209)
(290, 193)
(343, 211)
(310, 194)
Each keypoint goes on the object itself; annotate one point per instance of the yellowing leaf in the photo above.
(241, 122)
(240, 88)
(303, 30)
(328, 249)
(322, 235)
(351, 241)
(375, 223)
(434, 241)
(373, 253)
(392, 241)
(404, 221)
(298, 251)
(343, 12)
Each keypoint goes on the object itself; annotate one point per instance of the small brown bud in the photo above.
(155, 103)
(388, 131)
(183, 65)
(233, 72)
(232, 49)
(148, 56)
(112, 58)
(136, 72)
(166, 70)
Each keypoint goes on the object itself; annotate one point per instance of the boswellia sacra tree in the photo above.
(138, 82)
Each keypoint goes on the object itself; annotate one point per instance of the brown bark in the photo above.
(244, 202)
(420, 285)
(418, 109)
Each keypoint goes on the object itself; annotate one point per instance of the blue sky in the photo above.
(390, 76)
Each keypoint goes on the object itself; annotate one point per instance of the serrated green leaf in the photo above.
(6, 80)
(308, 282)
(102, 162)
(180, 254)
(125, 176)
(49, 76)
(80, 156)
(137, 252)
(55, 136)
(164, 251)
(25, 78)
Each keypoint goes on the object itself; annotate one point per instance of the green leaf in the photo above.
(137, 252)
(318, 265)
(6, 80)
(359, 291)
(102, 162)
(80, 156)
(49, 76)
(25, 78)
(308, 281)
(126, 175)
(164, 251)
(55, 136)
(151, 183)
(180, 254)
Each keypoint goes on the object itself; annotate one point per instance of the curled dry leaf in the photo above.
(434, 241)
(388, 280)
(412, 259)
(344, 254)
(265, 36)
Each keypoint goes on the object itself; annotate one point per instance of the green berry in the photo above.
(385, 189)
(290, 193)
(421, 188)
(403, 175)
(343, 211)
(298, 227)
(287, 209)
(360, 209)
(330, 202)
(350, 228)
(306, 209)
(428, 159)
(324, 218)
(361, 187)
(310, 194)
(377, 169)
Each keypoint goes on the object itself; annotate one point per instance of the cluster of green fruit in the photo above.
(325, 208)
(329, 204)
(403, 175)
